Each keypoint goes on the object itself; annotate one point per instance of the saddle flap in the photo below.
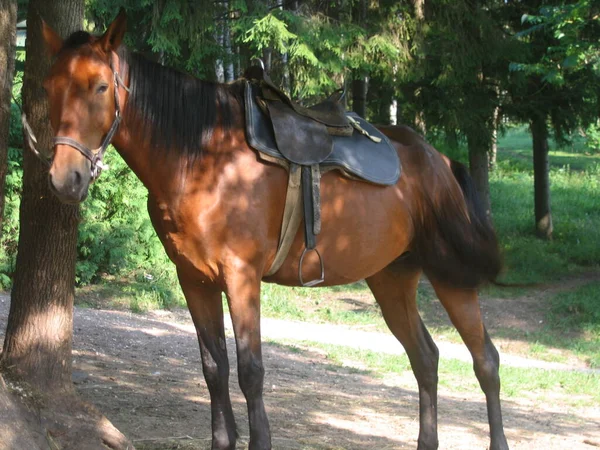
(300, 139)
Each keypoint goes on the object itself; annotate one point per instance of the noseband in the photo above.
(95, 156)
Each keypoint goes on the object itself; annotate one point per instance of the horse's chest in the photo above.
(186, 240)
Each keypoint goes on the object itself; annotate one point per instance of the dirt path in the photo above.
(143, 372)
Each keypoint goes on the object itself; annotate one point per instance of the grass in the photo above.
(574, 322)
(457, 376)
(140, 293)
(576, 214)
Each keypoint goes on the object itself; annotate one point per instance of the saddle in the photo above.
(308, 141)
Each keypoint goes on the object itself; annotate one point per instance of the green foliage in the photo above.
(557, 72)
(592, 136)
(575, 27)
(115, 235)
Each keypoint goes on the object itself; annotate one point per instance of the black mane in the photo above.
(177, 112)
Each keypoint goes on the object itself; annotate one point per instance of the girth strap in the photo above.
(292, 215)
(302, 199)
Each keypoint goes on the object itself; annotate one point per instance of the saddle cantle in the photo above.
(309, 141)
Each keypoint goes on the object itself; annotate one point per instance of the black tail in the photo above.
(457, 244)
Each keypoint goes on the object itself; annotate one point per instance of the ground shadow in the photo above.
(145, 375)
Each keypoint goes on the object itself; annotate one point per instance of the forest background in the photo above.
(461, 72)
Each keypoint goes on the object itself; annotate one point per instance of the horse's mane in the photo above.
(176, 111)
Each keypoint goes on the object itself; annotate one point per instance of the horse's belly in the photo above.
(364, 228)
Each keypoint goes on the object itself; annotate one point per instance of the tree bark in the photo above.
(493, 157)
(38, 341)
(38, 336)
(359, 96)
(360, 79)
(8, 37)
(541, 175)
(478, 166)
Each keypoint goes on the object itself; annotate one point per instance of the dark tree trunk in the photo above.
(38, 341)
(541, 174)
(359, 96)
(8, 35)
(38, 336)
(478, 166)
(360, 80)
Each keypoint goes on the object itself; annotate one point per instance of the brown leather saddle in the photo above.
(303, 134)
(307, 141)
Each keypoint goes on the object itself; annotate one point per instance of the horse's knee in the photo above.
(487, 367)
(251, 375)
(215, 367)
(425, 364)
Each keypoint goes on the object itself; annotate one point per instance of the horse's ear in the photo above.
(113, 36)
(53, 41)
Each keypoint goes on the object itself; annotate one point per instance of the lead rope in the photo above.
(29, 135)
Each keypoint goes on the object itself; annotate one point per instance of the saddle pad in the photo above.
(356, 155)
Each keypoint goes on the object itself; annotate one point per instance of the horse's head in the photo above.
(83, 93)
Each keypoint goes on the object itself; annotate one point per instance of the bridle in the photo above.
(96, 156)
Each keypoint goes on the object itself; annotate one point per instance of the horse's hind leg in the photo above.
(395, 289)
(206, 308)
(463, 308)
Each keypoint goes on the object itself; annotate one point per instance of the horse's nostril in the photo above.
(76, 178)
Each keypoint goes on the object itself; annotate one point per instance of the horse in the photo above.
(217, 209)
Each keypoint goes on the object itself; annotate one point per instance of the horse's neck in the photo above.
(159, 169)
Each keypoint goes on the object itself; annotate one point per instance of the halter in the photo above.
(95, 156)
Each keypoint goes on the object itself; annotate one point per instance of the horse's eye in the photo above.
(102, 89)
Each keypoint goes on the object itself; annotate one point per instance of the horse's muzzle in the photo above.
(71, 188)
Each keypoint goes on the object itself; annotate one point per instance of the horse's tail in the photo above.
(457, 244)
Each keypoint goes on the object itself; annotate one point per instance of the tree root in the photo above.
(58, 420)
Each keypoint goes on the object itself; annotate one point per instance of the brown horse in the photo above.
(217, 209)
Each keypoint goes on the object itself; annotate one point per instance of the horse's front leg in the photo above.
(243, 294)
(206, 307)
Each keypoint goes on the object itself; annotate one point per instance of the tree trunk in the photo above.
(8, 36)
(359, 96)
(419, 6)
(541, 175)
(478, 166)
(229, 70)
(360, 80)
(38, 341)
(493, 157)
(38, 336)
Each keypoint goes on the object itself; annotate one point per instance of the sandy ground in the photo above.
(143, 371)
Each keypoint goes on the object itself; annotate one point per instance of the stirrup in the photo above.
(318, 280)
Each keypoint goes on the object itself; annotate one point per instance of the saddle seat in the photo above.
(330, 112)
(303, 135)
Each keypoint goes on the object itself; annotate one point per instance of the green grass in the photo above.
(575, 197)
(458, 376)
(139, 293)
(574, 322)
(317, 305)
